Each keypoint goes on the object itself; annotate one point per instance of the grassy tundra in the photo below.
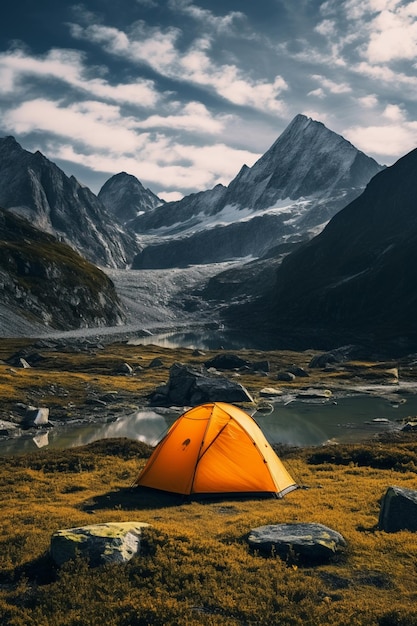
(196, 567)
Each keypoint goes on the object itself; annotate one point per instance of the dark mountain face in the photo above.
(35, 188)
(307, 176)
(48, 283)
(357, 279)
(125, 197)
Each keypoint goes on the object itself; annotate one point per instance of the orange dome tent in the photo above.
(216, 449)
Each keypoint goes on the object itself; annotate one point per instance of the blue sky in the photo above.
(182, 93)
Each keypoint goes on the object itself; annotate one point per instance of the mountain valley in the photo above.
(292, 250)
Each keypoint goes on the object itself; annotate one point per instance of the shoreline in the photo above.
(82, 381)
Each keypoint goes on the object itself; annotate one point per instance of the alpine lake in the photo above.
(292, 418)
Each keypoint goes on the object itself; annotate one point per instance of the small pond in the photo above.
(290, 420)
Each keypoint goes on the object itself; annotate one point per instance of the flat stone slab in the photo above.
(312, 542)
(114, 542)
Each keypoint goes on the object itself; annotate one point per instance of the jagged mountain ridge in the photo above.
(125, 197)
(291, 192)
(355, 281)
(306, 159)
(37, 189)
(46, 283)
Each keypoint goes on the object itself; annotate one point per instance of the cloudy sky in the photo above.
(182, 93)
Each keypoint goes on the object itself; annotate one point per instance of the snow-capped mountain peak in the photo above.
(291, 192)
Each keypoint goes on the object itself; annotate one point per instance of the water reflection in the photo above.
(201, 339)
(291, 421)
(347, 419)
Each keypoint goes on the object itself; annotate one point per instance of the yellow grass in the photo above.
(196, 567)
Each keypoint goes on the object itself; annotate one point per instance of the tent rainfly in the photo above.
(216, 449)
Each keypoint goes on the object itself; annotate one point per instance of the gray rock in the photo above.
(189, 387)
(235, 362)
(308, 542)
(300, 372)
(114, 542)
(314, 393)
(157, 362)
(339, 355)
(268, 392)
(398, 510)
(410, 426)
(7, 428)
(227, 362)
(261, 366)
(125, 368)
(36, 416)
(285, 376)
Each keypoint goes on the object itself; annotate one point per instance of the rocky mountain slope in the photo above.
(288, 195)
(355, 281)
(125, 197)
(35, 188)
(44, 283)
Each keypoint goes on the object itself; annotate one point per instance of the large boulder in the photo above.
(100, 543)
(235, 362)
(227, 362)
(398, 510)
(190, 387)
(35, 417)
(306, 542)
(338, 355)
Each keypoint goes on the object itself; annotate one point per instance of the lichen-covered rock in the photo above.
(114, 542)
(398, 510)
(312, 542)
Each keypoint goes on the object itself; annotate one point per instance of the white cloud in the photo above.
(332, 86)
(317, 93)
(7, 80)
(224, 23)
(368, 102)
(67, 66)
(170, 196)
(387, 29)
(156, 48)
(393, 36)
(109, 142)
(193, 116)
(94, 124)
(326, 28)
(388, 76)
(387, 140)
(376, 39)
(394, 113)
(319, 116)
(157, 162)
(357, 9)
